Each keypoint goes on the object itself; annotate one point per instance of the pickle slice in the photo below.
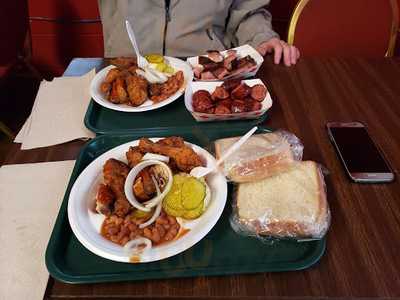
(169, 70)
(172, 212)
(174, 197)
(139, 214)
(194, 213)
(154, 58)
(193, 193)
(161, 67)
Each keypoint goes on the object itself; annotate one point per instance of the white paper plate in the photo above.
(98, 96)
(210, 87)
(86, 223)
(242, 51)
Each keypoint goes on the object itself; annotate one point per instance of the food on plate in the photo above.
(232, 96)
(114, 173)
(123, 62)
(160, 63)
(130, 85)
(188, 197)
(161, 91)
(217, 66)
(121, 230)
(263, 155)
(136, 87)
(289, 204)
(156, 188)
(183, 156)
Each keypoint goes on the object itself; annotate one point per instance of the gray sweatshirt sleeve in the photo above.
(249, 23)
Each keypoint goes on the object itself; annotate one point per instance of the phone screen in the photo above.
(358, 150)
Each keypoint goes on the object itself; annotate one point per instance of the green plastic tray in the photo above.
(102, 120)
(220, 252)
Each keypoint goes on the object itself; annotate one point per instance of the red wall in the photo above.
(13, 26)
(64, 29)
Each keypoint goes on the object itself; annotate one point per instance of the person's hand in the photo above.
(290, 53)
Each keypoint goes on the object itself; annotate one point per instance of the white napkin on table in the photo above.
(58, 113)
(30, 197)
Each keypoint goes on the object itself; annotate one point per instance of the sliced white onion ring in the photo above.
(150, 156)
(154, 217)
(130, 179)
(157, 200)
(160, 75)
(132, 247)
(207, 198)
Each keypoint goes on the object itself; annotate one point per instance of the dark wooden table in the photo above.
(362, 256)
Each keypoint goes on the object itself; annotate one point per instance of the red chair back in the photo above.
(365, 28)
(13, 28)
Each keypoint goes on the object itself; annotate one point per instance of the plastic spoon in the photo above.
(203, 171)
(141, 61)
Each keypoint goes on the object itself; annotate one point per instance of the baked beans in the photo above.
(121, 230)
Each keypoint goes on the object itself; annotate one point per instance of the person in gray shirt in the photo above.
(184, 28)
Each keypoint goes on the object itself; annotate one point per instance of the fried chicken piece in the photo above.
(115, 173)
(137, 89)
(134, 156)
(186, 159)
(132, 69)
(112, 75)
(118, 93)
(105, 88)
(155, 89)
(144, 187)
(175, 141)
(104, 200)
(123, 62)
(168, 88)
(138, 190)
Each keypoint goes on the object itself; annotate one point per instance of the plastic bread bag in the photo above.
(291, 204)
(263, 155)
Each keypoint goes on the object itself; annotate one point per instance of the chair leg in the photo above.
(7, 131)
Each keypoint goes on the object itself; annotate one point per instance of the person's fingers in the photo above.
(286, 54)
(293, 55)
(298, 53)
(277, 53)
(261, 50)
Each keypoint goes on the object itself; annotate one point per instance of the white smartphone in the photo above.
(360, 156)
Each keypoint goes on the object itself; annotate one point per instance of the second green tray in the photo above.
(102, 120)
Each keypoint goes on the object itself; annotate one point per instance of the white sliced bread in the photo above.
(292, 203)
(262, 155)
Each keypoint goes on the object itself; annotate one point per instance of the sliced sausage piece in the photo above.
(210, 110)
(222, 110)
(228, 61)
(201, 94)
(238, 106)
(207, 76)
(231, 84)
(197, 71)
(203, 60)
(258, 92)
(241, 91)
(220, 73)
(219, 94)
(202, 101)
(253, 105)
(215, 56)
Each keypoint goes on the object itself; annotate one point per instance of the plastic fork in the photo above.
(141, 61)
(203, 171)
